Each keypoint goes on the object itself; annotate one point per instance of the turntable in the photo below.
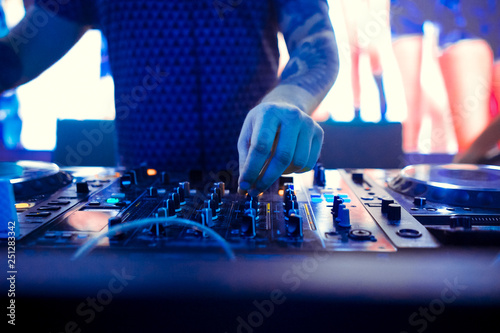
(31, 179)
(458, 203)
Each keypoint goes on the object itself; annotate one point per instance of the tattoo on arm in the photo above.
(310, 39)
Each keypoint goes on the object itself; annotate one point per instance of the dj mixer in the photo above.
(140, 249)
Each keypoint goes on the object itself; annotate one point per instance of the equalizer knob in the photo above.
(252, 202)
(419, 201)
(125, 182)
(319, 175)
(248, 227)
(461, 221)
(290, 208)
(218, 191)
(169, 204)
(337, 201)
(394, 212)
(152, 191)
(115, 220)
(222, 187)
(215, 198)
(186, 186)
(339, 212)
(207, 217)
(182, 195)
(344, 218)
(82, 187)
(288, 195)
(294, 226)
(177, 201)
(357, 177)
(164, 178)
(211, 204)
(161, 212)
(385, 204)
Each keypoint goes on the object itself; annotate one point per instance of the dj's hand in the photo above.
(276, 138)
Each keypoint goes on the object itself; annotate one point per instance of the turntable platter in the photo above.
(30, 178)
(465, 185)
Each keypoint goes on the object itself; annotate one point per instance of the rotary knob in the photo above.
(112, 221)
(385, 204)
(419, 201)
(337, 201)
(82, 187)
(357, 177)
(218, 192)
(211, 204)
(319, 175)
(182, 195)
(248, 227)
(394, 212)
(186, 186)
(169, 204)
(461, 221)
(222, 187)
(161, 212)
(294, 226)
(207, 217)
(344, 219)
(176, 200)
(152, 191)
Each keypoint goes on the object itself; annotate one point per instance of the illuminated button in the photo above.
(50, 235)
(118, 195)
(151, 172)
(23, 205)
(316, 199)
(113, 201)
(343, 195)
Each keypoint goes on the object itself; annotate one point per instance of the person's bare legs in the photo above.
(408, 52)
(491, 135)
(467, 70)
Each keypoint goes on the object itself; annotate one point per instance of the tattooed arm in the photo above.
(32, 47)
(278, 135)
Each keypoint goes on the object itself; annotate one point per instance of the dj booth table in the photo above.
(327, 251)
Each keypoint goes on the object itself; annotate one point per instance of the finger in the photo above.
(302, 150)
(243, 148)
(261, 144)
(281, 157)
(316, 145)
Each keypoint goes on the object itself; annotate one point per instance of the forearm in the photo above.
(31, 47)
(10, 67)
(313, 65)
